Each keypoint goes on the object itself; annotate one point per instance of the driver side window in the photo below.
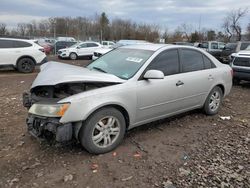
(167, 62)
(83, 45)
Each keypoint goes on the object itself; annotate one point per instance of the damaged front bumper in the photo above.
(49, 128)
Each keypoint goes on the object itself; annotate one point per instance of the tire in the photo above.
(73, 56)
(25, 65)
(98, 128)
(213, 101)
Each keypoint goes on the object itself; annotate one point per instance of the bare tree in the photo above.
(231, 22)
(3, 29)
(186, 30)
(248, 31)
(227, 28)
(22, 29)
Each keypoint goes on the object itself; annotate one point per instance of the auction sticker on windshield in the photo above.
(134, 59)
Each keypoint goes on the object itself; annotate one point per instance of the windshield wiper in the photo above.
(99, 69)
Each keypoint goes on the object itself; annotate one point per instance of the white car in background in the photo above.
(79, 50)
(21, 54)
(107, 44)
(98, 53)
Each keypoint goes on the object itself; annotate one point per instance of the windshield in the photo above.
(230, 46)
(121, 62)
(75, 45)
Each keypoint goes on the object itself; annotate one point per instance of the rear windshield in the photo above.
(242, 61)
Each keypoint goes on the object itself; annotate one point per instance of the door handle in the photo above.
(179, 83)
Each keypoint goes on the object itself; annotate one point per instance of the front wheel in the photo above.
(103, 131)
(213, 101)
(73, 56)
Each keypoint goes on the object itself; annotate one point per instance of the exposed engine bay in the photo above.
(59, 91)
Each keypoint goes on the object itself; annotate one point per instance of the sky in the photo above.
(165, 13)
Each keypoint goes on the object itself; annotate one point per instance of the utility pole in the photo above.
(200, 28)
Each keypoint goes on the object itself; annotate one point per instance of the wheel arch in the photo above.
(25, 56)
(222, 87)
(116, 106)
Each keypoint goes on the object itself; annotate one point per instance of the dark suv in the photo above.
(231, 48)
(63, 44)
(241, 67)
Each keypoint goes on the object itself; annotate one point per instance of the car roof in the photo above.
(17, 39)
(155, 47)
(146, 46)
(243, 53)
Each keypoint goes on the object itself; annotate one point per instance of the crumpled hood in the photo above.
(53, 73)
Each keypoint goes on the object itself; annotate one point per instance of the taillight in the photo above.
(41, 49)
(232, 72)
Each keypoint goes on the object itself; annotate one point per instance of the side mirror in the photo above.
(153, 74)
(78, 47)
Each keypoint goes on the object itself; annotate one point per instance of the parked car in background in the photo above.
(213, 47)
(79, 50)
(241, 45)
(70, 39)
(128, 87)
(241, 66)
(20, 54)
(62, 44)
(99, 52)
(183, 43)
(48, 47)
(227, 51)
(107, 44)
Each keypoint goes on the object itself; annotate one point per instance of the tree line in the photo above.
(100, 27)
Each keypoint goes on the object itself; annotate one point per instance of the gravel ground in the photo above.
(189, 150)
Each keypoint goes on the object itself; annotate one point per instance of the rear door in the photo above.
(197, 75)
(8, 52)
(91, 47)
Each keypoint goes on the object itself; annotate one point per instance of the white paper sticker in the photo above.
(134, 59)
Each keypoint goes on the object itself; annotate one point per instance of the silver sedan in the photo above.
(125, 88)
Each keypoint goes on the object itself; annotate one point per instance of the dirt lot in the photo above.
(190, 150)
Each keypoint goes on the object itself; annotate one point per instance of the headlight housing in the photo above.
(49, 110)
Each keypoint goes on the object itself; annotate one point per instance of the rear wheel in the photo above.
(103, 131)
(25, 65)
(73, 56)
(213, 101)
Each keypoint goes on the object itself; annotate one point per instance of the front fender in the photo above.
(81, 108)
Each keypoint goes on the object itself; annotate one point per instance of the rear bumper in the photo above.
(49, 128)
(45, 60)
(241, 74)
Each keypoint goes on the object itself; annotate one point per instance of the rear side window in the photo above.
(208, 63)
(242, 61)
(92, 45)
(244, 45)
(191, 60)
(167, 62)
(6, 44)
(21, 44)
